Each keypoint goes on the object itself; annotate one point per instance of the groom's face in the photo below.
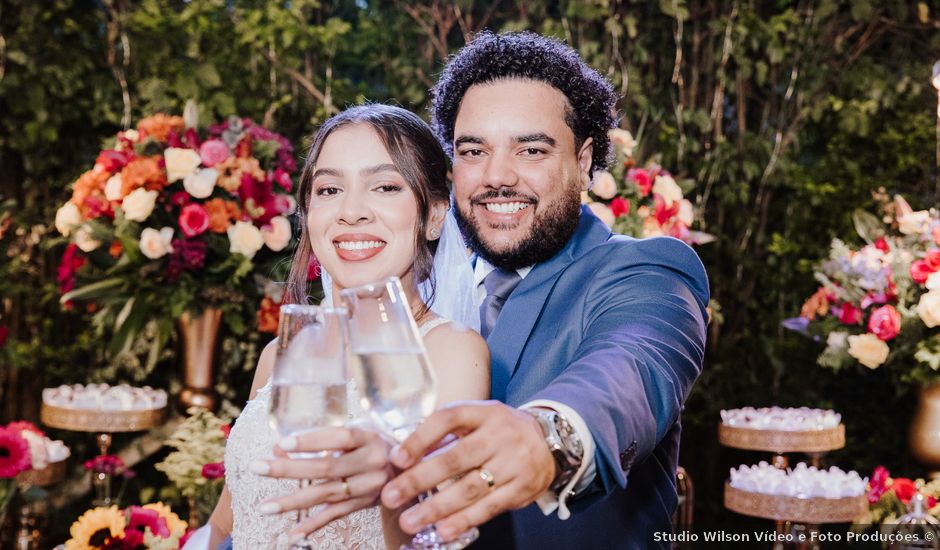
(517, 171)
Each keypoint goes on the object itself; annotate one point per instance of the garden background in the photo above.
(788, 115)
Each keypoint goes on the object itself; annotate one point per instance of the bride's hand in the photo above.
(347, 482)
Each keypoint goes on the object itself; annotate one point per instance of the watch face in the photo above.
(568, 436)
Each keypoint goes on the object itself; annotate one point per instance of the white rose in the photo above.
(84, 239)
(138, 204)
(245, 239)
(928, 308)
(67, 217)
(603, 212)
(37, 449)
(914, 223)
(276, 235)
(156, 244)
(837, 339)
(180, 163)
(112, 189)
(604, 185)
(668, 189)
(933, 281)
(201, 183)
(868, 349)
(686, 213)
(624, 139)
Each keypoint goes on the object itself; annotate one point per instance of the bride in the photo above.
(373, 201)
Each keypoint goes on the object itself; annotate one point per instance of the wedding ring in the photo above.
(487, 477)
(346, 490)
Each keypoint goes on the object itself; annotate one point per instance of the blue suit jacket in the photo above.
(613, 327)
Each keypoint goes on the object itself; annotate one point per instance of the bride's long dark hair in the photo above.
(417, 155)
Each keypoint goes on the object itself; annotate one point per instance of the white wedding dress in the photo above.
(253, 439)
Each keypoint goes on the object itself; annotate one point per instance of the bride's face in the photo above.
(363, 214)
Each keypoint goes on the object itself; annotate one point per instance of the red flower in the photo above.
(112, 160)
(4, 333)
(213, 152)
(904, 489)
(885, 323)
(920, 271)
(313, 268)
(105, 464)
(282, 177)
(193, 220)
(660, 212)
(849, 314)
(642, 180)
(933, 259)
(143, 518)
(620, 207)
(882, 245)
(226, 430)
(72, 260)
(14, 453)
(180, 198)
(213, 470)
(25, 425)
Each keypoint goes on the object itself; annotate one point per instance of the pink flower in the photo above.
(25, 425)
(105, 464)
(620, 207)
(112, 161)
(213, 152)
(313, 268)
(933, 259)
(283, 179)
(642, 180)
(877, 485)
(849, 314)
(661, 212)
(72, 260)
(920, 271)
(226, 430)
(193, 220)
(14, 453)
(885, 323)
(213, 470)
(143, 518)
(882, 245)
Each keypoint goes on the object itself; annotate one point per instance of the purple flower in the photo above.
(797, 324)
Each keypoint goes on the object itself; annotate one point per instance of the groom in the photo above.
(595, 339)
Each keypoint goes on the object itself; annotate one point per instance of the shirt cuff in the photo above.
(549, 501)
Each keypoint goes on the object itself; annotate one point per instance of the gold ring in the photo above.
(487, 477)
(346, 490)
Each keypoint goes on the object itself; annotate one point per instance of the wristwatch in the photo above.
(564, 444)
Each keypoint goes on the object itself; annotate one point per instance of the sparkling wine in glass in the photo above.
(391, 368)
(309, 378)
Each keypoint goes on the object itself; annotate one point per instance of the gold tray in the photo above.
(782, 441)
(53, 473)
(799, 510)
(88, 420)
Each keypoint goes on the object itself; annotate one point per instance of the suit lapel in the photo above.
(525, 304)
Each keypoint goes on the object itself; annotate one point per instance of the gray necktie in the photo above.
(499, 285)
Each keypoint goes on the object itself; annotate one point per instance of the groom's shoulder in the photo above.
(620, 251)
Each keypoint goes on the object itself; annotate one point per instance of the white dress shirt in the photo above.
(549, 502)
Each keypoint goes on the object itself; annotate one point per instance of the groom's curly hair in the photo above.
(491, 57)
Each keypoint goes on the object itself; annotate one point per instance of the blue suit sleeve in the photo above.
(642, 349)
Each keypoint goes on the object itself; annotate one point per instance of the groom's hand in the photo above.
(501, 456)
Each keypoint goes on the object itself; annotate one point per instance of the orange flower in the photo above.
(143, 172)
(267, 316)
(231, 170)
(90, 183)
(159, 126)
(116, 248)
(221, 213)
(816, 305)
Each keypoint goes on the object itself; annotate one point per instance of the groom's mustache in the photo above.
(504, 193)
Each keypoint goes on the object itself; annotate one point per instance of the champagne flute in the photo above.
(309, 378)
(391, 368)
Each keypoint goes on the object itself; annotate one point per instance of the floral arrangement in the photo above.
(889, 498)
(23, 446)
(171, 220)
(880, 303)
(642, 201)
(149, 527)
(196, 466)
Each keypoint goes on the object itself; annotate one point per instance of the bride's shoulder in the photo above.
(455, 338)
(264, 368)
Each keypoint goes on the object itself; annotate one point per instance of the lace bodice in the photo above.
(253, 439)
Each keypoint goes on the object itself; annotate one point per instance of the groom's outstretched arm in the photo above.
(643, 348)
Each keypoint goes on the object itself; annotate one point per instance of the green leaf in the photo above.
(208, 76)
(867, 225)
(93, 291)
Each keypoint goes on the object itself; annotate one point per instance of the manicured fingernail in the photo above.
(400, 457)
(260, 467)
(268, 508)
(394, 495)
(411, 519)
(288, 443)
(446, 533)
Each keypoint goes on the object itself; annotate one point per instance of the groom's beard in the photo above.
(549, 232)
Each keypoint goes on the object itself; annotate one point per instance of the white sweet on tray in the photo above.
(103, 397)
(777, 418)
(802, 481)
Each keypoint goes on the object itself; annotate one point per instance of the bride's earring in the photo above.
(434, 235)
